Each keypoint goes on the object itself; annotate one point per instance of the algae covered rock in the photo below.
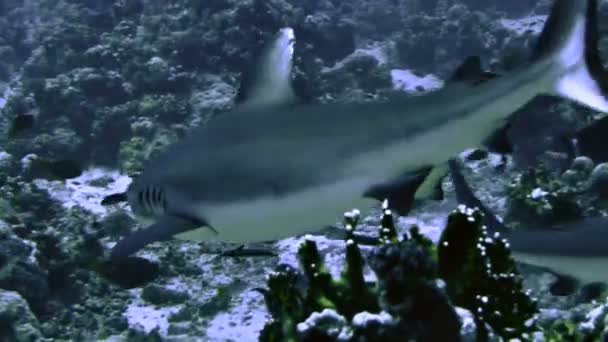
(538, 195)
(543, 195)
(17, 322)
(19, 271)
(599, 180)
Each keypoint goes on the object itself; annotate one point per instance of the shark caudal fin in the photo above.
(570, 40)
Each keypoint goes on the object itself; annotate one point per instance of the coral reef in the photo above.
(112, 82)
(101, 75)
(543, 195)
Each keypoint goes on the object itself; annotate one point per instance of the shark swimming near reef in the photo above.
(575, 249)
(275, 166)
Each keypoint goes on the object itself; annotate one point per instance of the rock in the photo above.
(572, 177)
(599, 179)
(6, 161)
(159, 295)
(468, 330)
(372, 326)
(332, 38)
(582, 164)
(327, 323)
(19, 272)
(17, 322)
(594, 319)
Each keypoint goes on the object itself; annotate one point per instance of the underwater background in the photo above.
(92, 88)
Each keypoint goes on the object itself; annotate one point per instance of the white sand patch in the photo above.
(150, 317)
(243, 322)
(520, 26)
(407, 81)
(83, 191)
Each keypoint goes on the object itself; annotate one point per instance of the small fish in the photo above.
(114, 198)
(241, 251)
(61, 169)
(275, 167)
(20, 124)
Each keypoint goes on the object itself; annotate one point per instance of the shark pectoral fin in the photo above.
(400, 191)
(163, 229)
(431, 187)
(470, 72)
(498, 141)
(200, 233)
(268, 80)
(564, 285)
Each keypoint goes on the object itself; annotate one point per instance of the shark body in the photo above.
(577, 249)
(273, 168)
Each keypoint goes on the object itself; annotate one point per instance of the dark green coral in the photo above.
(481, 276)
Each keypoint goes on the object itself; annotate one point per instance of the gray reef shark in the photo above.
(275, 167)
(575, 249)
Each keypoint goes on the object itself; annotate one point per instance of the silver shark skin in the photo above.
(273, 169)
(577, 249)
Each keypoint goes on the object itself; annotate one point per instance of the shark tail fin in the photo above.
(570, 41)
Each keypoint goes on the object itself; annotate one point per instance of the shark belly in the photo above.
(586, 269)
(314, 207)
(272, 218)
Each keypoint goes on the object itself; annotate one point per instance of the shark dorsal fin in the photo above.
(268, 80)
(470, 71)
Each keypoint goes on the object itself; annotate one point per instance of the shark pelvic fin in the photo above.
(165, 228)
(400, 192)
